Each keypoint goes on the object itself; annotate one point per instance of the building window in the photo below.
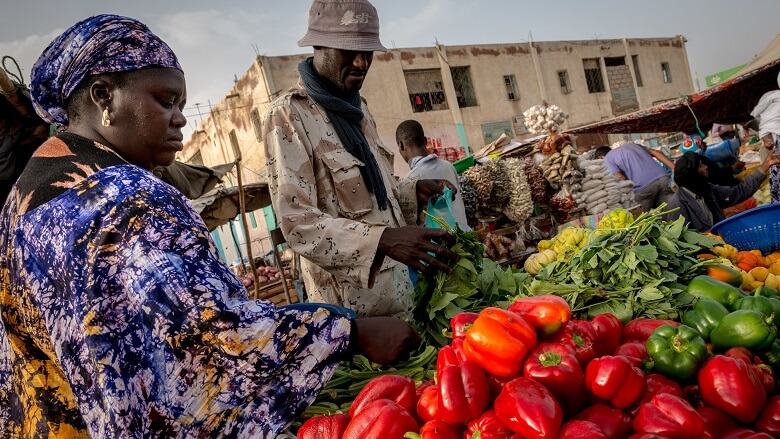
(426, 90)
(666, 71)
(511, 87)
(593, 75)
(563, 80)
(464, 88)
(234, 143)
(255, 116)
(635, 61)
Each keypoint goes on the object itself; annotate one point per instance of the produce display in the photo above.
(534, 371)
(265, 275)
(519, 205)
(639, 329)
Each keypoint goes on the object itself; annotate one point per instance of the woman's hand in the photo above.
(385, 340)
(771, 160)
(413, 246)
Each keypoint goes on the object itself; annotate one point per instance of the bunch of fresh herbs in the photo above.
(638, 271)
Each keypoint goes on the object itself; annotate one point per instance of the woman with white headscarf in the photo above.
(767, 113)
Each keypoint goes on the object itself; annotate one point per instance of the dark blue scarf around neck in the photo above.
(346, 115)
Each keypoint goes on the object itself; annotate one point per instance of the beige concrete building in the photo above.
(466, 96)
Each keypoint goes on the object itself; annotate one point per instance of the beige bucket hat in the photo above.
(343, 24)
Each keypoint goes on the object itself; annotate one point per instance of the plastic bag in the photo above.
(441, 208)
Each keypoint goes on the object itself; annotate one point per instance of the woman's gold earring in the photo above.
(106, 119)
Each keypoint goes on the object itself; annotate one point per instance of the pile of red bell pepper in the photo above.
(531, 371)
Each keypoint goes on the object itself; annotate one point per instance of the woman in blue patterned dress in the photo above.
(118, 319)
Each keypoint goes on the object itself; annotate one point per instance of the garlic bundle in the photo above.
(519, 206)
(541, 119)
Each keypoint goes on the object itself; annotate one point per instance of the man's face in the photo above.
(344, 69)
(704, 171)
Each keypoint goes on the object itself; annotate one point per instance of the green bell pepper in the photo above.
(772, 356)
(706, 287)
(744, 328)
(765, 305)
(677, 352)
(705, 316)
(765, 291)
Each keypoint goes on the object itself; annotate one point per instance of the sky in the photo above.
(217, 41)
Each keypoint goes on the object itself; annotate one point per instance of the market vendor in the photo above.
(331, 177)
(117, 317)
(631, 161)
(719, 174)
(701, 202)
(410, 137)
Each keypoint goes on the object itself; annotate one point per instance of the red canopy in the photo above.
(728, 102)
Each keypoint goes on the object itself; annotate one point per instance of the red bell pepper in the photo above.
(733, 387)
(547, 313)
(450, 355)
(692, 394)
(324, 427)
(615, 423)
(642, 328)
(555, 366)
(428, 404)
(609, 332)
(435, 430)
(489, 427)
(579, 335)
(499, 341)
(424, 385)
(496, 385)
(633, 349)
(769, 419)
(380, 419)
(396, 388)
(744, 433)
(657, 384)
(528, 408)
(463, 393)
(461, 323)
(716, 423)
(762, 371)
(670, 417)
(616, 380)
(581, 430)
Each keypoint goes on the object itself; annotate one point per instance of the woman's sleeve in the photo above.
(176, 341)
(729, 196)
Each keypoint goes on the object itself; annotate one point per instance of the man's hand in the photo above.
(738, 166)
(411, 245)
(771, 160)
(430, 189)
(385, 340)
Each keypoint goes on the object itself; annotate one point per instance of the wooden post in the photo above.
(276, 239)
(242, 209)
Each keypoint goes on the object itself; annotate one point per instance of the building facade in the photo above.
(465, 96)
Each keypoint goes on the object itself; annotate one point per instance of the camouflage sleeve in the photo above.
(407, 199)
(344, 247)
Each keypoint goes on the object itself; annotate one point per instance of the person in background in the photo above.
(767, 117)
(702, 202)
(118, 319)
(331, 178)
(718, 175)
(411, 140)
(634, 162)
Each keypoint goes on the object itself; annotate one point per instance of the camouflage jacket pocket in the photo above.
(351, 193)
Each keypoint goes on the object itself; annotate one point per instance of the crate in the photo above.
(274, 292)
(463, 164)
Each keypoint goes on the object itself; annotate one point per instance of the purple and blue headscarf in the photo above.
(99, 44)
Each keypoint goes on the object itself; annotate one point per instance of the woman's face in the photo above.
(146, 117)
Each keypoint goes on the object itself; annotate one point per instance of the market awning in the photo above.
(193, 181)
(221, 205)
(728, 102)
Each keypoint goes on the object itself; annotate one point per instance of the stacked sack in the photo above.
(600, 191)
